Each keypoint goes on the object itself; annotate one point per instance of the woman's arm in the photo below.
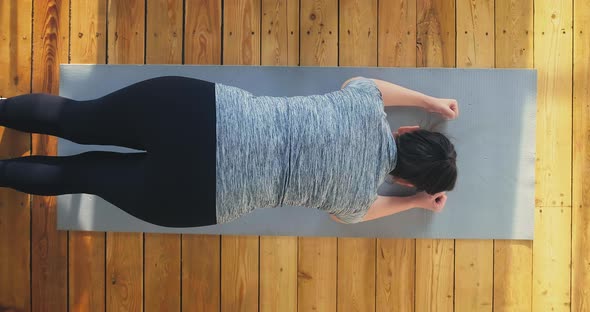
(387, 205)
(394, 95)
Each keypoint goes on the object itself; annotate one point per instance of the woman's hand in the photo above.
(434, 202)
(448, 108)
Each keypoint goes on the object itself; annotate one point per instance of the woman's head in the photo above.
(427, 160)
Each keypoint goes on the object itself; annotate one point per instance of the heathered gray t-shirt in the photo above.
(329, 152)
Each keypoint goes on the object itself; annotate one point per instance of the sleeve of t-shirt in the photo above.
(351, 217)
(365, 85)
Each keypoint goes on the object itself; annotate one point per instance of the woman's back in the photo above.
(329, 151)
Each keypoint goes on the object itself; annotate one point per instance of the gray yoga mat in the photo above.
(494, 137)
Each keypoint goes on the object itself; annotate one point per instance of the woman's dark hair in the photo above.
(426, 159)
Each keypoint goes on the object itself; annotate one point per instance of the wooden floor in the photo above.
(42, 269)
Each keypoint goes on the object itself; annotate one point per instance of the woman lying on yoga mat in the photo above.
(215, 152)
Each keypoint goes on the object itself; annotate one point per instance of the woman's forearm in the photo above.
(394, 95)
(388, 205)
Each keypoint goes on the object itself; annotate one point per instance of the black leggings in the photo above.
(172, 119)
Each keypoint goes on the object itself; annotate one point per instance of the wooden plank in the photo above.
(126, 30)
(434, 274)
(396, 258)
(88, 32)
(435, 38)
(514, 33)
(280, 32)
(356, 274)
(124, 284)
(164, 35)
(15, 212)
(278, 274)
(475, 33)
(513, 259)
(397, 33)
(240, 254)
(164, 32)
(48, 246)
(86, 257)
(513, 273)
(581, 161)
(396, 268)
(317, 257)
(124, 278)
(474, 259)
(435, 44)
(241, 32)
(552, 245)
(553, 60)
(278, 254)
(316, 275)
(319, 33)
(239, 273)
(474, 275)
(552, 259)
(201, 276)
(358, 33)
(201, 273)
(162, 272)
(356, 256)
(202, 36)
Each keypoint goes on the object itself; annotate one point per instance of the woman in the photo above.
(212, 152)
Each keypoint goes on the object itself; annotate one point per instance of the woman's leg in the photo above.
(126, 180)
(84, 122)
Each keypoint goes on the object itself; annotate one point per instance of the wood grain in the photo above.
(201, 273)
(278, 254)
(241, 32)
(552, 245)
(474, 259)
(316, 275)
(280, 32)
(202, 36)
(514, 33)
(88, 32)
(319, 32)
(164, 32)
(396, 258)
(552, 259)
(164, 35)
(239, 273)
(15, 210)
(278, 273)
(435, 259)
(126, 30)
(475, 33)
(513, 259)
(581, 161)
(124, 278)
(435, 38)
(356, 256)
(474, 275)
(48, 246)
(434, 274)
(553, 60)
(395, 273)
(86, 256)
(317, 256)
(201, 254)
(162, 272)
(397, 33)
(356, 274)
(124, 267)
(240, 255)
(358, 33)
